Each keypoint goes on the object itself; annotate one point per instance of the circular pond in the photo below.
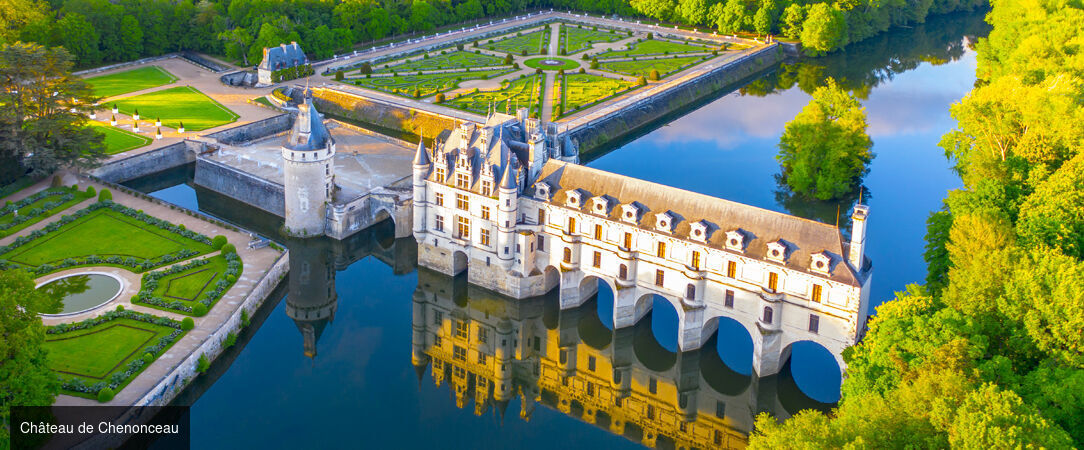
(77, 293)
(551, 63)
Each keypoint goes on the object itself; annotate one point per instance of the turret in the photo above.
(508, 196)
(308, 172)
(422, 166)
(502, 390)
(418, 357)
(857, 249)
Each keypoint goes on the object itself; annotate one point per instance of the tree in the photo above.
(236, 43)
(764, 19)
(43, 123)
(824, 30)
(656, 9)
(78, 36)
(131, 36)
(469, 10)
(693, 12)
(732, 17)
(25, 378)
(423, 16)
(824, 149)
(793, 16)
(17, 15)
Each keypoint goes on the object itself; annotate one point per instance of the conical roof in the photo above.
(421, 156)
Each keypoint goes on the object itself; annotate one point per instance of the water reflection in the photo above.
(490, 349)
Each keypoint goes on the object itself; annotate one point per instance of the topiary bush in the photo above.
(148, 358)
(654, 75)
(56, 182)
(440, 98)
(90, 191)
(120, 307)
(105, 395)
(105, 195)
(339, 75)
(188, 324)
(218, 242)
(199, 310)
(229, 248)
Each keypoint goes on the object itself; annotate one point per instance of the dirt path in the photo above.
(547, 96)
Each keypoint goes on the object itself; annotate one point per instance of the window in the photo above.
(461, 328)
(483, 335)
(731, 269)
(462, 181)
(661, 252)
(541, 216)
(440, 199)
(696, 260)
(481, 358)
(440, 175)
(728, 301)
(773, 281)
(817, 293)
(437, 342)
(568, 255)
(541, 243)
(623, 272)
(690, 291)
(720, 409)
(597, 260)
(483, 235)
(571, 224)
(814, 323)
(485, 213)
(440, 223)
(628, 240)
(438, 317)
(767, 315)
(652, 385)
(463, 227)
(590, 389)
(598, 232)
(591, 363)
(487, 188)
(459, 353)
(658, 277)
(462, 202)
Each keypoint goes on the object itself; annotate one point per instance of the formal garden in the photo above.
(176, 105)
(583, 90)
(522, 92)
(577, 38)
(145, 77)
(15, 216)
(522, 43)
(425, 85)
(456, 59)
(118, 140)
(651, 68)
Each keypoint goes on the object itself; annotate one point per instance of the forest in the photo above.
(99, 32)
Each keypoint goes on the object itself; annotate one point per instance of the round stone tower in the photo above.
(309, 173)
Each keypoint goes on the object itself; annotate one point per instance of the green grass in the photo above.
(189, 287)
(263, 101)
(582, 90)
(453, 60)
(426, 84)
(654, 47)
(104, 233)
(566, 64)
(522, 92)
(118, 140)
(80, 196)
(130, 81)
(577, 39)
(179, 104)
(531, 42)
(643, 67)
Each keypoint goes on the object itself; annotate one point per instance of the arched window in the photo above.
(767, 315)
(690, 291)
(623, 272)
(571, 224)
(568, 255)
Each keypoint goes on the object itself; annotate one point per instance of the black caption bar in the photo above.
(93, 427)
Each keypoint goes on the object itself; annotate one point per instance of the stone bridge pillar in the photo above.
(627, 308)
(403, 217)
(570, 295)
(622, 361)
(691, 327)
(767, 350)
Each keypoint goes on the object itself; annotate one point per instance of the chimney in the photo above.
(858, 236)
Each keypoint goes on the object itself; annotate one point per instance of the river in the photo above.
(330, 361)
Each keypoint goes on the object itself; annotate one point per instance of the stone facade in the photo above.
(490, 200)
(278, 58)
(308, 173)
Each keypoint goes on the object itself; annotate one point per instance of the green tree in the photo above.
(469, 10)
(824, 30)
(732, 17)
(793, 16)
(656, 9)
(693, 12)
(764, 19)
(17, 15)
(25, 378)
(423, 16)
(824, 150)
(43, 122)
(78, 36)
(131, 35)
(236, 43)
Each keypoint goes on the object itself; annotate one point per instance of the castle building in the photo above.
(308, 172)
(494, 200)
(277, 58)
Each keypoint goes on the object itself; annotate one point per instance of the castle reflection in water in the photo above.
(491, 350)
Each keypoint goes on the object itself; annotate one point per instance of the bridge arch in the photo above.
(731, 340)
(667, 318)
(459, 262)
(816, 369)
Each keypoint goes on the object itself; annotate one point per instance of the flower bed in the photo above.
(41, 205)
(153, 291)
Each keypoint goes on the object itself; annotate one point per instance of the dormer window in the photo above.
(735, 240)
(542, 191)
(462, 181)
(820, 263)
(630, 213)
(574, 199)
(664, 222)
(698, 231)
(777, 251)
(601, 205)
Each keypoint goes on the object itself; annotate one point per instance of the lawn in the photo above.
(522, 92)
(48, 202)
(577, 39)
(654, 47)
(104, 233)
(426, 84)
(182, 287)
(581, 90)
(118, 140)
(130, 81)
(566, 64)
(106, 350)
(454, 60)
(643, 67)
(531, 43)
(179, 104)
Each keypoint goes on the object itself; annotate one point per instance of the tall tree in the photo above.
(824, 30)
(16, 15)
(825, 149)
(43, 122)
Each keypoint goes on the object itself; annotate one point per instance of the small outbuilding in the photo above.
(278, 58)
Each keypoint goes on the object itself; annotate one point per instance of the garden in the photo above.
(577, 38)
(178, 104)
(521, 92)
(581, 90)
(130, 81)
(454, 60)
(424, 85)
(191, 288)
(644, 67)
(118, 140)
(655, 47)
(532, 43)
(15, 216)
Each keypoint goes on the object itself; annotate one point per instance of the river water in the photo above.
(337, 358)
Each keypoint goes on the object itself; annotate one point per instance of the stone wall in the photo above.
(254, 130)
(240, 78)
(148, 162)
(241, 186)
(598, 133)
(384, 115)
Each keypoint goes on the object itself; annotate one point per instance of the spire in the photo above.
(508, 181)
(421, 157)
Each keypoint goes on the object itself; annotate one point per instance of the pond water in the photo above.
(332, 359)
(80, 292)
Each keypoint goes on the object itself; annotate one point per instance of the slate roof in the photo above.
(802, 237)
(487, 162)
(318, 136)
(283, 56)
